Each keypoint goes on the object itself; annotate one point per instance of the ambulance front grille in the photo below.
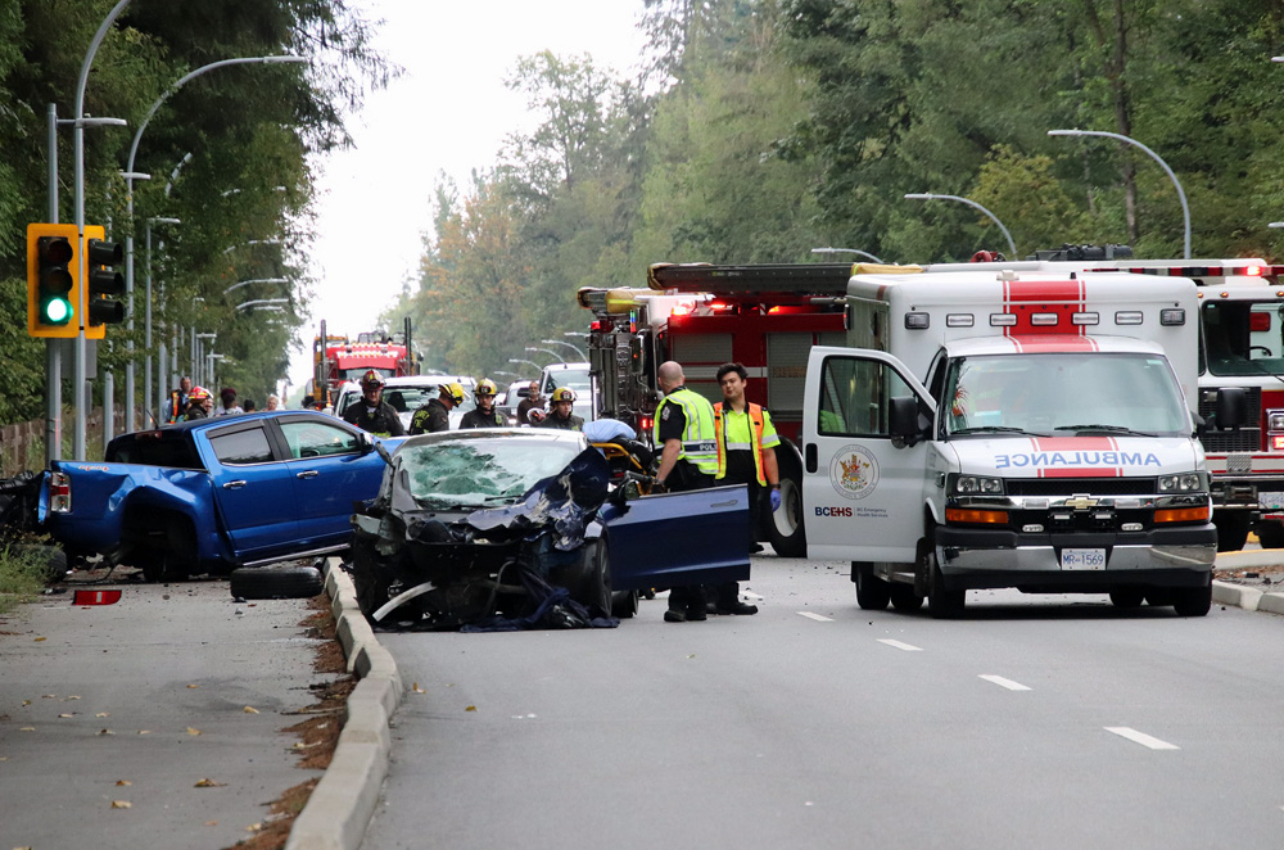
(1088, 486)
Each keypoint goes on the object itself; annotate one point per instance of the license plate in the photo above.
(1083, 559)
(1271, 501)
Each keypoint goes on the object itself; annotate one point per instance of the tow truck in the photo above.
(766, 317)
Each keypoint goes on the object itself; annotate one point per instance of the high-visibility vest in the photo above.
(699, 440)
(720, 427)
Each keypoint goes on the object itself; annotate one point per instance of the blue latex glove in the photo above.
(775, 501)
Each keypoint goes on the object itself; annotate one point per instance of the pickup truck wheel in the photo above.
(276, 582)
(1270, 534)
(158, 567)
(1193, 601)
(785, 529)
(904, 598)
(872, 593)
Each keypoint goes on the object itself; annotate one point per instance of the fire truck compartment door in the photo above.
(863, 494)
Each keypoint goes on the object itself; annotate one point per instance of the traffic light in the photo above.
(103, 283)
(52, 275)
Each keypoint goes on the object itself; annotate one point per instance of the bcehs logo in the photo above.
(833, 511)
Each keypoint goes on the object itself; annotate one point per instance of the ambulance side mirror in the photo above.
(904, 421)
(1231, 409)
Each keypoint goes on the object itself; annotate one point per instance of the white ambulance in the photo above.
(1003, 428)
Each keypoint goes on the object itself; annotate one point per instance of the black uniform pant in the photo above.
(740, 470)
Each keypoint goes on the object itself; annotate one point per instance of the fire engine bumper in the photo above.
(1169, 557)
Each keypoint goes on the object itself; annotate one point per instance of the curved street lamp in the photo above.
(574, 348)
(239, 284)
(930, 196)
(530, 349)
(538, 367)
(1181, 194)
(865, 254)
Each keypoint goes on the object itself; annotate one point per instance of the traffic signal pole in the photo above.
(53, 354)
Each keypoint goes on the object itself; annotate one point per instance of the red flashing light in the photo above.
(1254, 271)
(1259, 322)
(645, 423)
(719, 306)
(681, 310)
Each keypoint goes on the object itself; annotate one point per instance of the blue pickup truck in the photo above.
(215, 494)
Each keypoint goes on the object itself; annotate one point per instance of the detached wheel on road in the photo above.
(872, 593)
(1232, 530)
(1270, 534)
(904, 598)
(276, 582)
(785, 530)
(624, 604)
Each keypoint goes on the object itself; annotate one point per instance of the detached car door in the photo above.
(331, 467)
(679, 539)
(253, 490)
(863, 490)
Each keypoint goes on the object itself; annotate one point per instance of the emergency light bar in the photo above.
(805, 278)
(1247, 270)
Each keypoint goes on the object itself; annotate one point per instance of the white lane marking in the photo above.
(1004, 683)
(1141, 738)
(749, 594)
(816, 617)
(896, 644)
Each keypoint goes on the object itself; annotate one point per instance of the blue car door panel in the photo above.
(253, 490)
(329, 470)
(679, 539)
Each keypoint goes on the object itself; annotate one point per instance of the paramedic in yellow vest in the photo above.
(747, 442)
(688, 461)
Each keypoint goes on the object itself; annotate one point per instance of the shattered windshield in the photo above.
(476, 473)
(1066, 394)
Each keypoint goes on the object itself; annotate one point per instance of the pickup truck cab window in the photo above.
(855, 395)
(309, 438)
(242, 447)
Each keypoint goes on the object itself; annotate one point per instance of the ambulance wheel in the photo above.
(872, 593)
(904, 598)
(1193, 601)
(785, 529)
(1232, 530)
(944, 604)
(1127, 597)
(1270, 534)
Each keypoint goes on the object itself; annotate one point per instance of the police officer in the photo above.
(688, 461)
(435, 415)
(746, 455)
(485, 415)
(372, 413)
(563, 400)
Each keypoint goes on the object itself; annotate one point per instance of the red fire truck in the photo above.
(766, 317)
(338, 359)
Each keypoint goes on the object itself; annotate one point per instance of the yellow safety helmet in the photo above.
(563, 394)
(453, 391)
(485, 387)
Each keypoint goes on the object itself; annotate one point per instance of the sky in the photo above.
(449, 112)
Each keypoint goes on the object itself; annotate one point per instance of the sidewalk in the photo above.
(110, 717)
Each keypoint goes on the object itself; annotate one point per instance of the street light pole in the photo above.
(147, 322)
(538, 367)
(1181, 194)
(256, 280)
(574, 348)
(864, 254)
(530, 349)
(930, 196)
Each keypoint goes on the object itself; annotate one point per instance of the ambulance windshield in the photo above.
(1065, 394)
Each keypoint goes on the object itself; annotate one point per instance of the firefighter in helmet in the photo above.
(485, 415)
(435, 415)
(563, 402)
(372, 413)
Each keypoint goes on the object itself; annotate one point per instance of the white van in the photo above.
(1004, 429)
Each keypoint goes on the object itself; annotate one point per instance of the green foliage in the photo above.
(24, 571)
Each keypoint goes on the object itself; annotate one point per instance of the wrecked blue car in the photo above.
(501, 529)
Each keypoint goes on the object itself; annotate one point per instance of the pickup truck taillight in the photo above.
(59, 493)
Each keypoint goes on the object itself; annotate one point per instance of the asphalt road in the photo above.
(1035, 722)
(136, 703)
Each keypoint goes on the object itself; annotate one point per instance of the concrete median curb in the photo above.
(340, 807)
(1248, 598)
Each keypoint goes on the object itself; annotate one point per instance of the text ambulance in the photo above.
(990, 429)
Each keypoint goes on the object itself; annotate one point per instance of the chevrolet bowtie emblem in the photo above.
(1080, 503)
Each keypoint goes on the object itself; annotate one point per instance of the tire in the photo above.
(785, 529)
(276, 582)
(1232, 530)
(53, 560)
(944, 604)
(624, 604)
(1160, 597)
(370, 584)
(904, 598)
(1127, 597)
(1193, 601)
(1270, 534)
(159, 566)
(872, 593)
(589, 581)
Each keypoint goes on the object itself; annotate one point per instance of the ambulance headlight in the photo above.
(1185, 482)
(976, 485)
